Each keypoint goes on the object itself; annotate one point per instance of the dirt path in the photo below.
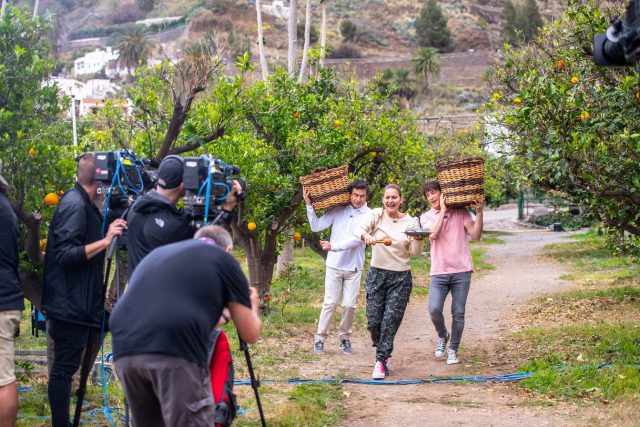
(518, 276)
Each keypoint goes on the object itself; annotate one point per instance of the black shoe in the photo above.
(318, 347)
(345, 345)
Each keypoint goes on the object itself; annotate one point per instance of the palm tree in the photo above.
(263, 59)
(404, 83)
(293, 37)
(307, 37)
(135, 48)
(426, 63)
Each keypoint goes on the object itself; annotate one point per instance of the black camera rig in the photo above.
(123, 177)
(208, 182)
(620, 45)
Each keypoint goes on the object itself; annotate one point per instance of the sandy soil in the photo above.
(519, 275)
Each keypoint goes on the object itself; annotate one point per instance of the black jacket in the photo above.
(72, 289)
(11, 297)
(153, 221)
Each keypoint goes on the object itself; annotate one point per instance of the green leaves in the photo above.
(572, 128)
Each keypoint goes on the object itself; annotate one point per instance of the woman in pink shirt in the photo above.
(451, 264)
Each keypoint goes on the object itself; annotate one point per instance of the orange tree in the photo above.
(34, 143)
(285, 129)
(573, 126)
(276, 131)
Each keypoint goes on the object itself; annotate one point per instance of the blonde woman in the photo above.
(388, 283)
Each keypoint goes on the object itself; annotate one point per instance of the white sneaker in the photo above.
(378, 371)
(441, 346)
(452, 357)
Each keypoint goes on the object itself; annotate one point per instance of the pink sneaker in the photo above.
(378, 371)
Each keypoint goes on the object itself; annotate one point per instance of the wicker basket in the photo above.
(461, 181)
(328, 188)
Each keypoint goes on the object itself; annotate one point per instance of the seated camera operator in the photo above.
(73, 281)
(162, 324)
(154, 219)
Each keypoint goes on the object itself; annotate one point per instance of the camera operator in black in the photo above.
(73, 282)
(155, 221)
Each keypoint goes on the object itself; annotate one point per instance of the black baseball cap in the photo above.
(170, 172)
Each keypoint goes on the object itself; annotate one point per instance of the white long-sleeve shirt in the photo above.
(347, 251)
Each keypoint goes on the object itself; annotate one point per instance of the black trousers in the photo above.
(69, 341)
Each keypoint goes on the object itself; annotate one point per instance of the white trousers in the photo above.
(339, 282)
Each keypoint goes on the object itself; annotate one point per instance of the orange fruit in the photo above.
(374, 154)
(496, 96)
(251, 226)
(638, 96)
(560, 64)
(32, 152)
(585, 116)
(296, 115)
(574, 80)
(43, 245)
(517, 100)
(297, 236)
(391, 180)
(337, 123)
(51, 199)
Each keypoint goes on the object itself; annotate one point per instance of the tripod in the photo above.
(255, 383)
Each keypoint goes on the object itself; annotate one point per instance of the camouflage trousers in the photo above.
(387, 297)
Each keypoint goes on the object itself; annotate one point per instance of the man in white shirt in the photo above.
(345, 259)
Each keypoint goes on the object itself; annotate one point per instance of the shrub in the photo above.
(346, 50)
(348, 30)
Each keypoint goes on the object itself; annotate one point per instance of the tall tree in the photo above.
(323, 32)
(509, 18)
(263, 60)
(426, 63)
(431, 27)
(531, 17)
(307, 41)
(135, 48)
(293, 37)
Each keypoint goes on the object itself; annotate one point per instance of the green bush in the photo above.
(568, 221)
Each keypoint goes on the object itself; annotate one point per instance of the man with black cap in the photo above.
(154, 220)
(11, 304)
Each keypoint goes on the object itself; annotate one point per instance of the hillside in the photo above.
(385, 36)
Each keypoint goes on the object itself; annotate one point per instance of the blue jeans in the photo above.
(458, 284)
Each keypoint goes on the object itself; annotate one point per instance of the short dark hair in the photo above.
(86, 169)
(431, 185)
(360, 184)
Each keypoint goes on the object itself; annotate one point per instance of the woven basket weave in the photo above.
(461, 181)
(328, 188)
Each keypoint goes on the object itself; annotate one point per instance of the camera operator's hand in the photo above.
(255, 300)
(232, 198)
(116, 228)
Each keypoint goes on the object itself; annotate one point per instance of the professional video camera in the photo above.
(620, 45)
(123, 177)
(207, 183)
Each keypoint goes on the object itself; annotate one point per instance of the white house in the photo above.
(94, 62)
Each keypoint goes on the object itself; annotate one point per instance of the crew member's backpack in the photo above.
(221, 371)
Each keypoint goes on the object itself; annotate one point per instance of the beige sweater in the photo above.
(396, 256)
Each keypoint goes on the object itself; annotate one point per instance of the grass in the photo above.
(283, 349)
(588, 328)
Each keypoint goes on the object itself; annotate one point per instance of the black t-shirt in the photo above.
(11, 297)
(175, 299)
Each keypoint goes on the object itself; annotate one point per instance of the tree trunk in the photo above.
(285, 256)
(293, 37)
(307, 40)
(323, 33)
(313, 241)
(35, 9)
(263, 59)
